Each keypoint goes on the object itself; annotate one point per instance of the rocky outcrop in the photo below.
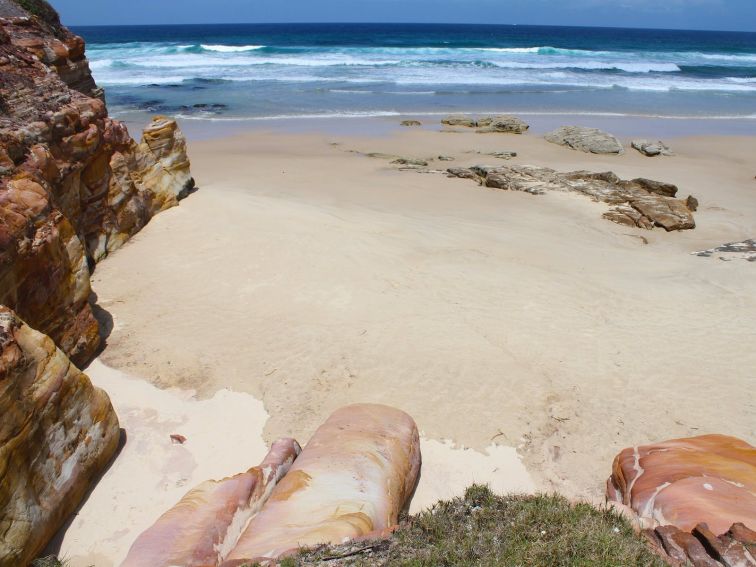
(351, 481)
(745, 250)
(502, 123)
(205, 525)
(589, 140)
(73, 184)
(684, 491)
(56, 434)
(642, 203)
(651, 149)
(411, 123)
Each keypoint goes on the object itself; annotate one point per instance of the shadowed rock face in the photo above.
(351, 481)
(73, 184)
(57, 433)
(684, 482)
(643, 203)
(203, 527)
(590, 140)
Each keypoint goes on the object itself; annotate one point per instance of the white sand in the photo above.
(311, 277)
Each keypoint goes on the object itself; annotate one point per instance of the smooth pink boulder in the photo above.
(351, 481)
(709, 479)
(203, 527)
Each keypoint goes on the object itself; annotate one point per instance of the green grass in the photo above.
(485, 529)
(42, 9)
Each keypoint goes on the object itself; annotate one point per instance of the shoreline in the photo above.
(525, 329)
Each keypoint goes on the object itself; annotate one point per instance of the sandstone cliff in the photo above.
(56, 434)
(74, 186)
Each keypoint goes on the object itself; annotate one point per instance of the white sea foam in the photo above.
(231, 48)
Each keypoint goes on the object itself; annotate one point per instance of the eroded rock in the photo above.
(745, 250)
(642, 203)
(351, 481)
(57, 433)
(73, 184)
(590, 140)
(502, 124)
(411, 123)
(651, 149)
(460, 120)
(205, 525)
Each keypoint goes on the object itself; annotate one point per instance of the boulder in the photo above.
(460, 120)
(352, 480)
(651, 149)
(412, 162)
(74, 186)
(643, 203)
(684, 482)
(205, 525)
(57, 433)
(411, 123)
(503, 123)
(590, 140)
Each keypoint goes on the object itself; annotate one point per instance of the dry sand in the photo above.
(310, 277)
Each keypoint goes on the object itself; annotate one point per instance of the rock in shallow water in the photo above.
(590, 140)
(57, 433)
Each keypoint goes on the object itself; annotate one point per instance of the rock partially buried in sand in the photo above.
(460, 120)
(411, 123)
(502, 124)
(651, 149)
(745, 250)
(589, 140)
(57, 433)
(412, 162)
(351, 481)
(685, 482)
(642, 203)
(205, 525)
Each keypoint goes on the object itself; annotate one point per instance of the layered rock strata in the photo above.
(57, 433)
(642, 203)
(205, 525)
(589, 140)
(685, 491)
(74, 186)
(352, 480)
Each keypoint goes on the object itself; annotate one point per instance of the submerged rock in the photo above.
(590, 140)
(745, 250)
(351, 481)
(57, 433)
(651, 149)
(643, 203)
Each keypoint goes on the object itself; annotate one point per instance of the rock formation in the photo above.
(643, 203)
(500, 123)
(745, 250)
(73, 184)
(589, 140)
(411, 123)
(205, 525)
(56, 434)
(351, 481)
(686, 490)
(651, 149)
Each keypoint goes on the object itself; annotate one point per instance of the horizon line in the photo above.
(411, 24)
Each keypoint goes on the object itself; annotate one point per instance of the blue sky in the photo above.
(686, 14)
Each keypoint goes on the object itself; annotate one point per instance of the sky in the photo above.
(737, 15)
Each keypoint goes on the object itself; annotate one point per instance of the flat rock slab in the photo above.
(589, 140)
(745, 250)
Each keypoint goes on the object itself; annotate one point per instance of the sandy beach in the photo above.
(530, 339)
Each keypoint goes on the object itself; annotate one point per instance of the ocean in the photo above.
(257, 72)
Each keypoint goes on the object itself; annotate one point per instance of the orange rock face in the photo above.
(57, 433)
(685, 482)
(74, 186)
(351, 481)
